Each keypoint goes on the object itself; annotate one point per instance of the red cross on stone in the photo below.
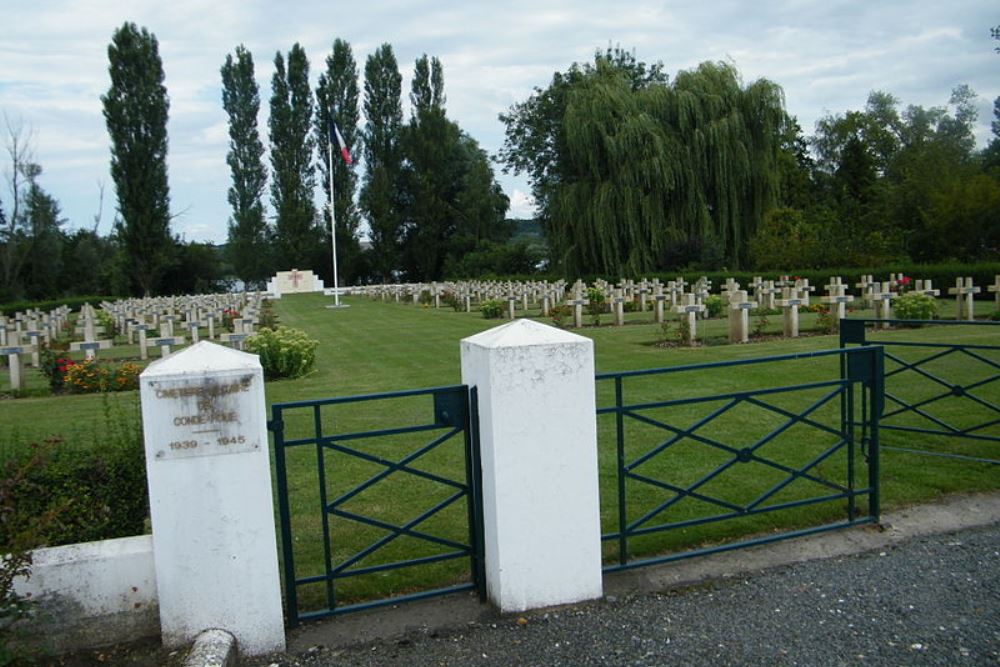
(295, 277)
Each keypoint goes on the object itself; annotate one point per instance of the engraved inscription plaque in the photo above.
(204, 417)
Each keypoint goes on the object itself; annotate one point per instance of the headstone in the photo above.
(964, 292)
(164, 343)
(882, 299)
(995, 288)
(790, 306)
(690, 310)
(235, 340)
(837, 299)
(618, 301)
(14, 354)
(926, 287)
(769, 291)
(739, 316)
(578, 302)
(658, 297)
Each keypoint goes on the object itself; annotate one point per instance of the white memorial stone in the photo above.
(209, 479)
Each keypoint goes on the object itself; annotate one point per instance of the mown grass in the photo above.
(374, 347)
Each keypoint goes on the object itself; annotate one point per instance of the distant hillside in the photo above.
(527, 230)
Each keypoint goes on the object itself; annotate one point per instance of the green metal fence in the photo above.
(381, 505)
(947, 391)
(770, 458)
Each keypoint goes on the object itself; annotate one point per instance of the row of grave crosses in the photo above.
(153, 321)
(163, 323)
(687, 299)
(24, 333)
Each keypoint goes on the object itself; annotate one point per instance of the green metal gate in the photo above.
(709, 466)
(945, 389)
(377, 509)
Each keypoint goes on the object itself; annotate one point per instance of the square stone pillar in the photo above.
(209, 475)
(538, 437)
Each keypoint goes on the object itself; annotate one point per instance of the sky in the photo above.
(827, 56)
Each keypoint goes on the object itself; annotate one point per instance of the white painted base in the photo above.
(538, 435)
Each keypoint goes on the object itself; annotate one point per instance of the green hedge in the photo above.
(94, 493)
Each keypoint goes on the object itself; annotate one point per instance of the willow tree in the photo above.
(636, 166)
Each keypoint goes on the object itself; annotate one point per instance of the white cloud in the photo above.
(827, 57)
(522, 205)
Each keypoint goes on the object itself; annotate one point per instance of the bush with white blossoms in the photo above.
(284, 352)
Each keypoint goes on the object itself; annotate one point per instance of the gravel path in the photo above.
(931, 600)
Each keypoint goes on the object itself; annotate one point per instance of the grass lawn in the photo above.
(377, 347)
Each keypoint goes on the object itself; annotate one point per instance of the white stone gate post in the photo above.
(209, 475)
(538, 439)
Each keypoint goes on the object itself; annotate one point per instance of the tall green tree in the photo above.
(380, 191)
(991, 155)
(249, 235)
(337, 101)
(14, 237)
(626, 167)
(432, 174)
(135, 111)
(43, 263)
(297, 233)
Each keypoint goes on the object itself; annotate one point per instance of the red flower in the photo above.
(905, 280)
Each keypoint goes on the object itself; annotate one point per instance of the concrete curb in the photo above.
(213, 648)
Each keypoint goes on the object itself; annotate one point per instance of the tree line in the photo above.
(428, 191)
(633, 172)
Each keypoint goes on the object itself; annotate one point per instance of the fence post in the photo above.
(210, 504)
(538, 440)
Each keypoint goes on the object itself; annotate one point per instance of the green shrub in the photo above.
(595, 305)
(284, 352)
(94, 492)
(994, 316)
(451, 300)
(715, 305)
(22, 533)
(915, 306)
(266, 317)
(559, 313)
(491, 309)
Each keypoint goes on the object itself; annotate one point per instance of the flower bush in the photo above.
(228, 315)
(491, 309)
(715, 306)
(90, 376)
(284, 352)
(915, 306)
(596, 305)
(559, 313)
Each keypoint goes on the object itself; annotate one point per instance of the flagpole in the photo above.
(333, 225)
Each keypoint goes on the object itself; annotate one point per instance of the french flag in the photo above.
(337, 138)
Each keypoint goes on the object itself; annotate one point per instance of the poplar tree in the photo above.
(248, 247)
(381, 190)
(337, 100)
(297, 234)
(432, 175)
(135, 110)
